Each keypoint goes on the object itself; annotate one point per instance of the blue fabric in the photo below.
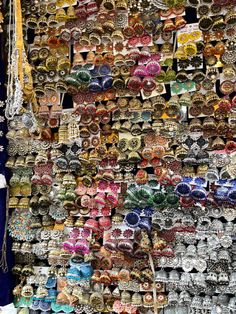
(6, 278)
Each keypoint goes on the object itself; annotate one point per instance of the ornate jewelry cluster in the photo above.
(122, 153)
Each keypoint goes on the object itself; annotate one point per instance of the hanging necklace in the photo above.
(3, 260)
(20, 81)
(14, 89)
